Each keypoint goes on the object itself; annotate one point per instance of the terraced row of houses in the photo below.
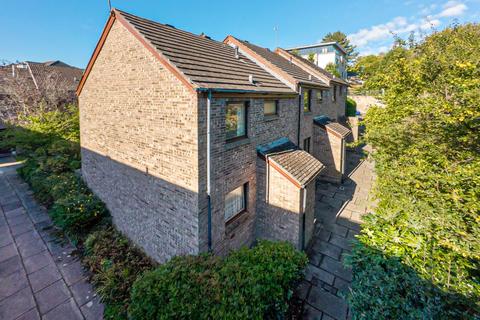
(198, 145)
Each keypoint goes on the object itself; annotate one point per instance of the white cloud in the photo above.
(452, 9)
(378, 37)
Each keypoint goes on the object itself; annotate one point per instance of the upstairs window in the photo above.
(341, 91)
(334, 96)
(270, 108)
(236, 120)
(307, 100)
(235, 202)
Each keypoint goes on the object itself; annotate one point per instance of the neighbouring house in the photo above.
(331, 130)
(198, 145)
(321, 95)
(323, 54)
(25, 85)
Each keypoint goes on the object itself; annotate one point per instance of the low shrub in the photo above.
(77, 212)
(115, 265)
(350, 107)
(248, 284)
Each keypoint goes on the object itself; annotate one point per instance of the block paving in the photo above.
(40, 275)
(339, 211)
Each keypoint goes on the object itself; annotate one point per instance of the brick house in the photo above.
(193, 144)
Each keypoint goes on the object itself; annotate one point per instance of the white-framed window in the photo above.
(235, 202)
(236, 120)
(270, 107)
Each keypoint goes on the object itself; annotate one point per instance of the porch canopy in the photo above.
(297, 165)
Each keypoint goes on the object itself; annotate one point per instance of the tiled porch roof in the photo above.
(335, 127)
(299, 165)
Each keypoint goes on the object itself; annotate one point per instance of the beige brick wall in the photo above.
(329, 152)
(280, 216)
(139, 140)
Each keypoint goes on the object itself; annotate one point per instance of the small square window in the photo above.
(306, 144)
(270, 108)
(235, 202)
(236, 120)
(307, 100)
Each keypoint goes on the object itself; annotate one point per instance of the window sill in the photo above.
(271, 117)
(232, 144)
(236, 221)
(307, 113)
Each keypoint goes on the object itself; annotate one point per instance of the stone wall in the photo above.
(139, 140)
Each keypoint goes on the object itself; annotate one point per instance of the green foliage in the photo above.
(341, 38)
(368, 67)
(115, 265)
(248, 284)
(332, 68)
(419, 252)
(311, 57)
(75, 213)
(350, 107)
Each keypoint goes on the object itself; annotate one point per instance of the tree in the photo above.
(418, 256)
(367, 67)
(20, 96)
(311, 57)
(332, 68)
(341, 39)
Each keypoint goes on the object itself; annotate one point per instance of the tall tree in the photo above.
(341, 38)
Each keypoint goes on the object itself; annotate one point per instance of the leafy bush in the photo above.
(248, 284)
(76, 213)
(350, 107)
(115, 265)
(419, 253)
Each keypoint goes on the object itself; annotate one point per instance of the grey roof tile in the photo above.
(298, 165)
(206, 63)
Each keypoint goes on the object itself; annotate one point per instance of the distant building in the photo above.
(325, 53)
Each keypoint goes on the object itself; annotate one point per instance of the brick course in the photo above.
(139, 146)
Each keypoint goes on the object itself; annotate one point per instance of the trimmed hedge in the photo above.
(248, 284)
(350, 107)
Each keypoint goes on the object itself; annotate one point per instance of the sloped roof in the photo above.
(299, 165)
(309, 66)
(43, 72)
(297, 74)
(335, 127)
(198, 61)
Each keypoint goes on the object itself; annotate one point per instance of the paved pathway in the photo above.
(40, 276)
(339, 211)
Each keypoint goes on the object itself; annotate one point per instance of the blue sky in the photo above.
(68, 30)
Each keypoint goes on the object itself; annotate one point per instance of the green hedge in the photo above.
(248, 284)
(418, 255)
(350, 107)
